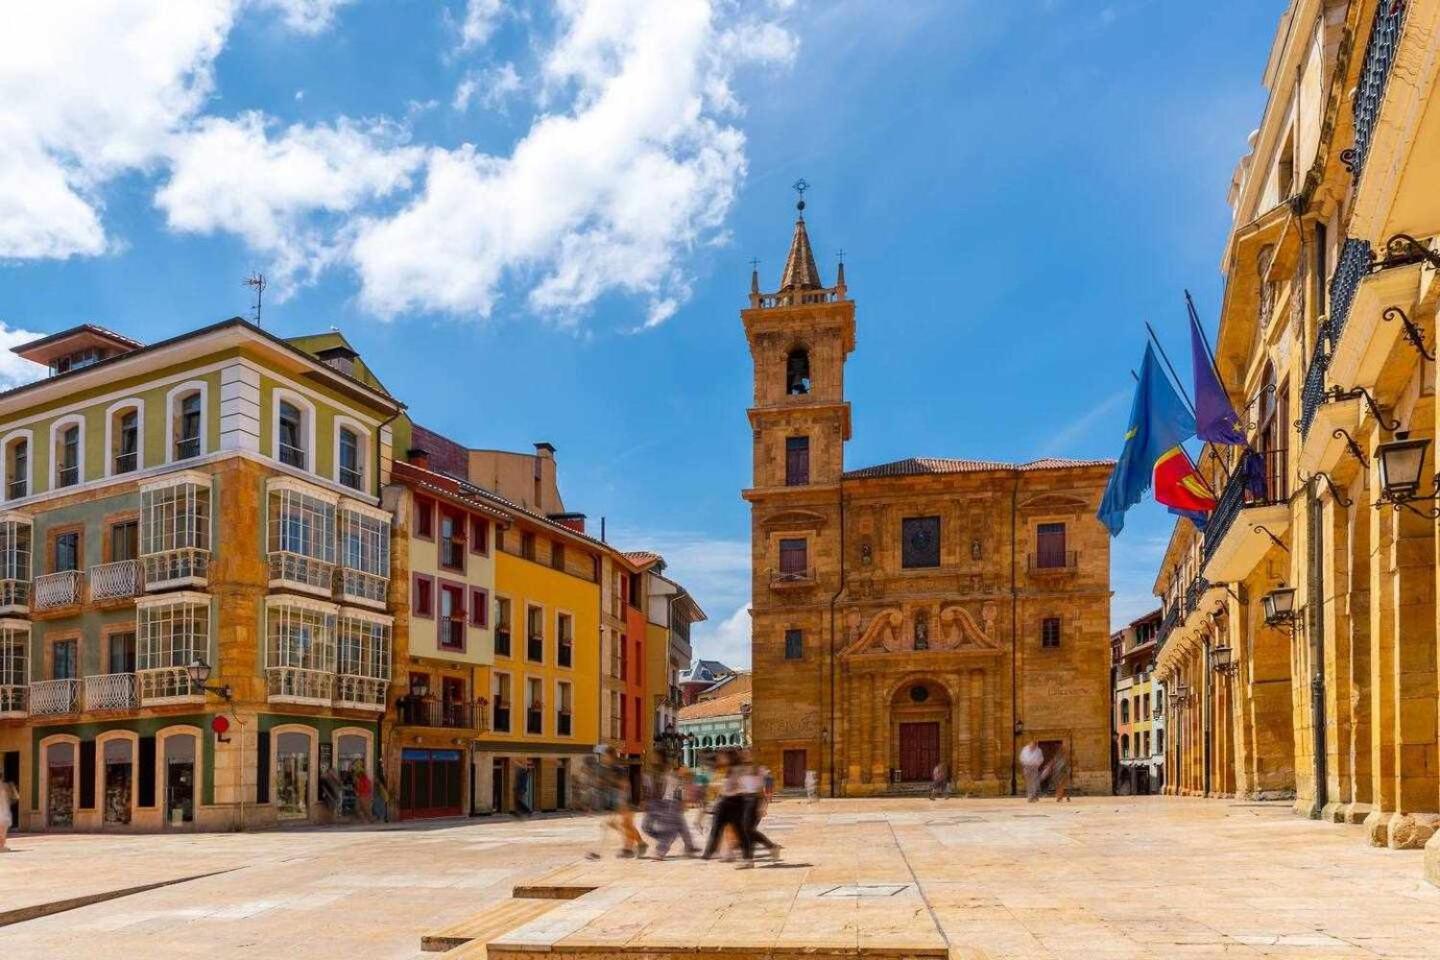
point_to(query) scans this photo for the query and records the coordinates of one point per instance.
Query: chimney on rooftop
(418, 457)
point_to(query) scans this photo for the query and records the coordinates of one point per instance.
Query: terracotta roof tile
(920, 466)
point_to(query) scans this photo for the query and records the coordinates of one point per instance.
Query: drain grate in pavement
(866, 890)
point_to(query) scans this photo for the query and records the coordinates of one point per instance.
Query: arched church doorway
(920, 729)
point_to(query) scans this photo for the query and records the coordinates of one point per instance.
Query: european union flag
(1159, 422)
(1217, 421)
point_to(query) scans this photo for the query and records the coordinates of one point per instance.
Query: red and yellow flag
(1179, 485)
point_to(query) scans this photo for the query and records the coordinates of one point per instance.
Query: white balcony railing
(13, 698)
(111, 581)
(167, 685)
(298, 685)
(356, 585)
(360, 693)
(186, 567)
(111, 691)
(297, 570)
(58, 589)
(50, 697)
(14, 596)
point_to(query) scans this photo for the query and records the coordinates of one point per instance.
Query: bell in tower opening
(797, 372)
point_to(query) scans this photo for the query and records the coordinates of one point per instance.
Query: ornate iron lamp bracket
(1403, 249)
(1431, 513)
(1336, 394)
(1261, 528)
(1340, 498)
(1355, 451)
(1269, 388)
(1413, 333)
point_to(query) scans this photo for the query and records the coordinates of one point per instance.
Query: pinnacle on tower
(800, 271)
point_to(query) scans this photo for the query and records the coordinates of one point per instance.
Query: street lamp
(1279, 606)
(199, 672)
(1222, 659)
(1402, 461)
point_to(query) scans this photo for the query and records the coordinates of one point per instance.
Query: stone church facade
(918, 612)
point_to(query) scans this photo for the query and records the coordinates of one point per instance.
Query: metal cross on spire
(800, 186)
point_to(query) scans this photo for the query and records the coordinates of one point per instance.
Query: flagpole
(1179, 384)
(1209, 350)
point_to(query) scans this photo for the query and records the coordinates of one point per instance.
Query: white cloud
(482, 17)
(90, 91)
(727, 641)
(234, 175)
(14, 370)
(489, 88)
(610, 195)
(305, 16)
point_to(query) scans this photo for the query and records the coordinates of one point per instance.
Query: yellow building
(1299, 638)
(195, 630)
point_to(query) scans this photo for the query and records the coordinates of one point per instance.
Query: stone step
(487, 925)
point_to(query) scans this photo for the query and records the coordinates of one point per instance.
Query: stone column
(866, 698)
(1415, 816)
(1382, 668)
(960, 711)
(977, 723)
(987, 744)
(1357, 643)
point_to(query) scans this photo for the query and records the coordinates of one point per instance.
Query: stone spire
(800, 272)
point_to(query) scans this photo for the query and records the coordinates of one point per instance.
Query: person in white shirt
(1032, 758)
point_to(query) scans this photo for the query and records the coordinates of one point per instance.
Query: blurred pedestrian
(1058, 773)
(8, 795)
(522, 790)
(940, 781)
(729, 811)
(758, 788)
(1032, 758)
(665, 814)
(812, 786)
(364, 793)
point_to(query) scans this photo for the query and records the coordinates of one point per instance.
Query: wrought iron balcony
(111, 691)
(299, 685)
(1262, 479)
(63, 589)
(17, 490)
(111, 581)
(565, 654)
(55, 697)
(792, 579)
(1194, 592)
(502, 641)
(1055, 562)
(455, 715)
(1374, 77)
(534, 720)
(563, 723)
(1357, 260)
(535, 649)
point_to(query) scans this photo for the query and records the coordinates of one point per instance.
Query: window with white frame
(15, 538)
(364, 645)
(68, 445)
(301, 542)
(14, 664)
(122, 438)
(290, 447)
(364, 552)
(350, 455)
(170, 632)
(187, 421)
(300, 648)
(175, 530)
(17, 466)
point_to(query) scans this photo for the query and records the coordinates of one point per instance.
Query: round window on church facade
(919, 694)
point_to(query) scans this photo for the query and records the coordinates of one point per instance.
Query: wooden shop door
(794, 769)
(919, 750)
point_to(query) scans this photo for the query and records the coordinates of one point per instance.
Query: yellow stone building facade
(919, 612)
(1299, 642)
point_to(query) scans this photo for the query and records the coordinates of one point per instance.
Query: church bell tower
(800, 337)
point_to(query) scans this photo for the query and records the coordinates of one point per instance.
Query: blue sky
(536, 220)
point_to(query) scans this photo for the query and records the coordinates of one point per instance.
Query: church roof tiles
(800, 271)
(921, 466)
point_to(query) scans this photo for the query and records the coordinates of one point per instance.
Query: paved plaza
(1101, 877)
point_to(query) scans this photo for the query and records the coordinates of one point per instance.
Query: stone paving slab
(1153, 877)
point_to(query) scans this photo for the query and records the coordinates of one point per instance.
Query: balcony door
(124, 541)
(121, 653)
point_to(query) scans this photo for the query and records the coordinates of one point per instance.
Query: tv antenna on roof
(256, 280)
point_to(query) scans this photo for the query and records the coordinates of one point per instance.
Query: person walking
(1032, 758)
(940, 781)
(729, 812)
(1059, 774)
(522, 790)
(364, 794)
(758, 787)
(665, 814)
(8, 795)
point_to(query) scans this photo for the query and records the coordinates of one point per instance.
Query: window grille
(14, 665)
(175, 532)
(300, 650)
(301, 539)
(364, 646)
(364, 555)
(14, 563)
